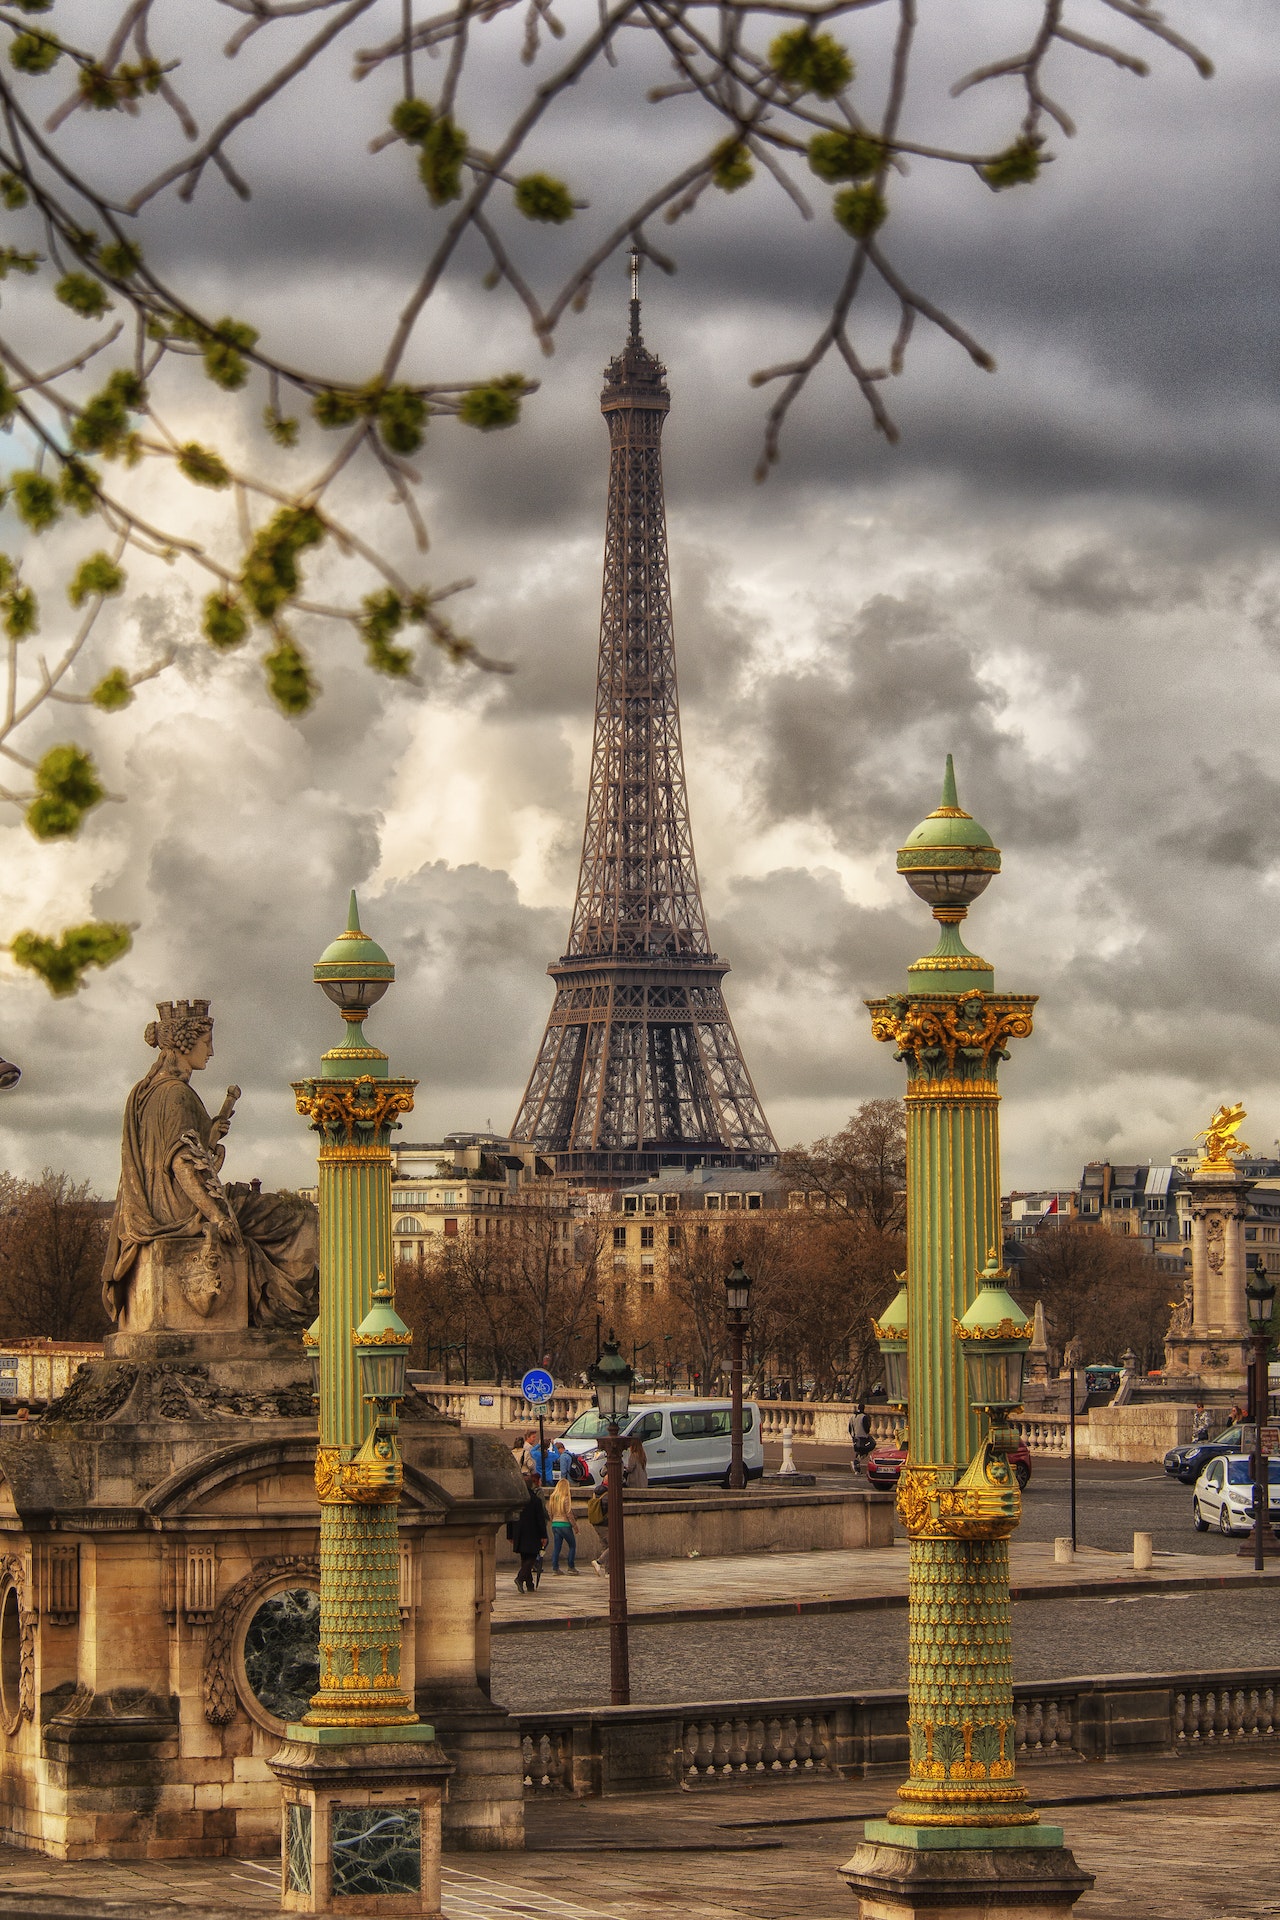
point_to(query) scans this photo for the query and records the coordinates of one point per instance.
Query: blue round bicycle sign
(537, 1385)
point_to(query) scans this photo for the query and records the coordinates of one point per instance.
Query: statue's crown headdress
(180, 1022)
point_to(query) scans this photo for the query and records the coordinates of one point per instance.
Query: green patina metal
(957, 1496)
(354, 1104)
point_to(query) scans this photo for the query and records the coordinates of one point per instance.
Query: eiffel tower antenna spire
(639, 1067)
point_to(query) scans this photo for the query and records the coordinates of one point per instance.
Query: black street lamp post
(611, 1377)
(737, 1288)
(1260, 1293)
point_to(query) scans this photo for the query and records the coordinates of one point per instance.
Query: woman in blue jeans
(563, 1531)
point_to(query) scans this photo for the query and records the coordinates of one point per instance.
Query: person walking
(528, 1535)
(860, 1434)
(563, 1531)
(598, 1515)
(527, 1453)
(636, 1471)
(1202, 1422)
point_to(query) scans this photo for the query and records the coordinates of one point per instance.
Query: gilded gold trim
(1003, 1330)
(387, 1339)
(332, 1155)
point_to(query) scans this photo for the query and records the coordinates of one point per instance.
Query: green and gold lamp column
(961, 1832)
(361, 1775)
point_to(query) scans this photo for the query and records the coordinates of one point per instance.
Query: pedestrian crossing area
(473, 1896)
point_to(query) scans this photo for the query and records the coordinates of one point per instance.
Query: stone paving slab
(754, 1585)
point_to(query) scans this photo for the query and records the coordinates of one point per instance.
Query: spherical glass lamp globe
(949, 859)
(353, 970)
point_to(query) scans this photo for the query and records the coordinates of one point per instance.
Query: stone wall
(677, 1526)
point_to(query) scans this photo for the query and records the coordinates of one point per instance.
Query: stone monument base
(1201, 1359)
(990, 1875)
(361, 1820)
(176, 1286)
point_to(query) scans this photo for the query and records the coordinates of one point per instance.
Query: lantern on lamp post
(737, 1297)
(1260, 1295)
(612, 1379)
(890, 1332)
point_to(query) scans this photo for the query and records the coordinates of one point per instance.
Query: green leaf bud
(540, 197)
(289, 679)
(120, 259)
(270, 576)
(809, 62)
(113, 691)
(36, 499)
(33, 6)
(400, 415)
(384, 615)
(224, 362)
(1017, 166)
(96, 577)
(413, 120)
(85, 296)
(282, 430)
(12, 260)
(21, 613)
(201, 466)
(225, 623)
(496, 404)
(333, 408)
(78, 485)
(34, 52)
(67, 787)
(731, 166)
(444, 148)
(861, 211)
(63, 963)
(103, 426)
(13, 191)
(844, 156)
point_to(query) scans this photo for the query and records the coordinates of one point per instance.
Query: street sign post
(538, 1387)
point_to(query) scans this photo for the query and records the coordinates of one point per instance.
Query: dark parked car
(1189, 1462)
(888, 1460)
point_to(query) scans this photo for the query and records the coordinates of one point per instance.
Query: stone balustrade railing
(1049, 1433)
(625, 1749)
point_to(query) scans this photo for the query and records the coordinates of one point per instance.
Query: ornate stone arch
(13, 1580)
(218, 1684)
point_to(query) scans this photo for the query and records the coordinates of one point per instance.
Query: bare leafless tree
(53, 1238)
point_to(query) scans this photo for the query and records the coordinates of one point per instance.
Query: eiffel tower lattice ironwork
(639, 1067)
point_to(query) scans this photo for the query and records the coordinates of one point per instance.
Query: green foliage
(809, 62)
(13, 192)
(844, 156)
(120, 259)
(224, 362)
(731, 166)
(78, 485)
(384, 615)
(861, 211)
(84, 295)
(103, 426)
(497, 404)
(36, 499)
(33, 6)
(34, 52)
(201, 466)
(333, 408)
(67, 787)
(1017, 166)
(62, 964)
(12, 260)
(103, 89)
(282, 430)
(413, 120)
(95, 577)
(271, 572)
(541, 197)
(289, 680)
(113, 691)
(444, 148)
(21, 613)
(400, 414)
(226, 624)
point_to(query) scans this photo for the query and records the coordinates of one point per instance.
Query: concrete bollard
(1142, 1553)
(1063, 1552)
(788, 1464)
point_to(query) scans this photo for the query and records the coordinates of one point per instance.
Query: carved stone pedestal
(361, 1821)
(975, 1881)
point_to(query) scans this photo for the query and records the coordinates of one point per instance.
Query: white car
(685, 1441)
(1224, 1494)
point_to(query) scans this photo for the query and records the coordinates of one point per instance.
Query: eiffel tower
(639, 1067)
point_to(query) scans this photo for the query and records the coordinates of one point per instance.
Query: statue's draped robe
(281, 1240)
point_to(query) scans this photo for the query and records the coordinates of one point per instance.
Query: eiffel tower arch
(639, 1067)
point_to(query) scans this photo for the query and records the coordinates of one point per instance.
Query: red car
(887, 1461)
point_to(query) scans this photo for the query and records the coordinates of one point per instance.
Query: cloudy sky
(1065, 574)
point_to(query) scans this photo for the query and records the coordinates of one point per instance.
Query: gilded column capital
(356, 1112)
(951, 1043)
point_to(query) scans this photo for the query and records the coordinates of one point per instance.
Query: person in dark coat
(528, 1535)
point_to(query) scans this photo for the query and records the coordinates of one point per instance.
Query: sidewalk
(752, 1586)
(1174, 1839)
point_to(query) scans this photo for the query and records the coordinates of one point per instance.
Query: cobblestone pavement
(1053, 1639)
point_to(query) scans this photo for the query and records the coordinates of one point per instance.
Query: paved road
(839, 1653)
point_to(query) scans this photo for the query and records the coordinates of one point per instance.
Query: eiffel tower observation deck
(639, 1067)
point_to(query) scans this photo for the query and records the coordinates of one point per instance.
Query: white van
(684, 1441)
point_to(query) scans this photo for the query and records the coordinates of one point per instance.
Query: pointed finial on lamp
(948, 861)
(353, 911)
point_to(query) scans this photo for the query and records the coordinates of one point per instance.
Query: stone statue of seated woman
(187, 1250)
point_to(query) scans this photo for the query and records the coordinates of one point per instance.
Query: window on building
(795, 1199)
(619, 1236)
(651, 1203)
(1156, 1204)
(646, 1266)
(646, 1287)
(646, 1236)
(449, 1198)
(733, 1201)
(451, 1229)
(1271, 1233)
(754, 1201)
(1251, 1233)
(630, 1203)
(704, 1233)
(408, 1225)
(673, 1236)
(713, 1203)
(619, 1260)
(671, 1203)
